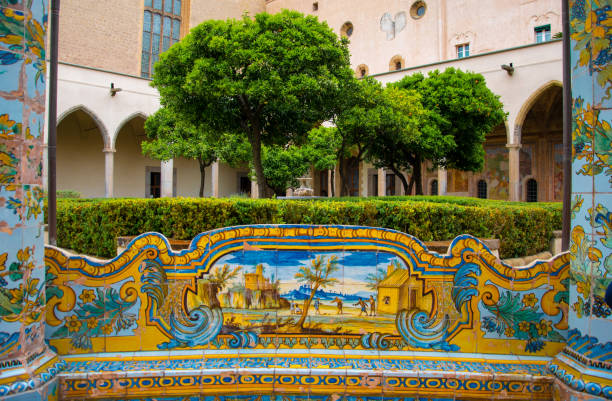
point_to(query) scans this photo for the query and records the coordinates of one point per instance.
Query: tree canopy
(269, 79)
(462, 106)
(171, 137)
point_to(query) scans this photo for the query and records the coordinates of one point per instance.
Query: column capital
(108, 150)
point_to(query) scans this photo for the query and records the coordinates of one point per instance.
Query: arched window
(347, 29)
(434, 187)
(161, 29)
(361, 71)
(396, 63)
(532, 190)
(482, 189)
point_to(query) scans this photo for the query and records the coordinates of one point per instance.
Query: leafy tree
(282, 167)
(170, 137)
(356, 120)
(269, 79)
(321, 149)
(317, 275)
(464, 107)
(405, 136)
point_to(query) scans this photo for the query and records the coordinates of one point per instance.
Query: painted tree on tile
(317, 275)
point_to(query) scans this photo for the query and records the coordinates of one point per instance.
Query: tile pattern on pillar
(27, 367)
(585, 364)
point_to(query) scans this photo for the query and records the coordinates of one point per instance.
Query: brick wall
(102, 34)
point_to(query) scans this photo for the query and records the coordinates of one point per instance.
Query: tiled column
(166, 178)
(27, 366)
(515, 174)
(585, 364)
(382, 182)
(109, 159)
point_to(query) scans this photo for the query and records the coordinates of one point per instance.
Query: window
(161, 29)
(542, 33)
(532, 190)
(434, 187)
(315, 6)
(417, 10)
(396, 63)
(362, 70)
(155, 184)
(463, 50)
(347, 29)
(482, 189)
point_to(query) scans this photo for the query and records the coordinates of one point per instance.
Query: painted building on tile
(107, 58)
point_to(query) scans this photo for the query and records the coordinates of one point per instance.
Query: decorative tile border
(435, 377)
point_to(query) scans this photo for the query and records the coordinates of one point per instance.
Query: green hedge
(90, 226)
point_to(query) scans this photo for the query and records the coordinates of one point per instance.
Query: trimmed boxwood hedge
(90, 226)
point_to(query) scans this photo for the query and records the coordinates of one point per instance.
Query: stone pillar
(167, 178)
(442, 181)
(254, 190)
(329, 183)
(382, 182)
(363, 179)
(514, 171)
(214, 173)
(27, 367)
(109, 166)
(584, 367)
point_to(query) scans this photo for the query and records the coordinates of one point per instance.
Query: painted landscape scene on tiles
(302, 291)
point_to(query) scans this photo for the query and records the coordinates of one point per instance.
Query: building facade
(104, 94)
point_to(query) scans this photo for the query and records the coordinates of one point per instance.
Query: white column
(329, 183)
(254, 190)
(363, 179)
(109, 167)
(442, 181)
(382, 182)
(514, 173)
(166, 178)
(214, 172)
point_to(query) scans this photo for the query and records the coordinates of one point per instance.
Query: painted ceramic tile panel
(497, 172)
(276, 286)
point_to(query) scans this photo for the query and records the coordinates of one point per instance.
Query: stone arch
(539, 132)
(125, 121)
(105, 137)
(528, 104)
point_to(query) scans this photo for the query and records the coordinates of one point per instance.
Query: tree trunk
(411, 184)
(255, 139)
(417, 174)
(342, 172)
(300, 322)
(202, 176)
(402, 179)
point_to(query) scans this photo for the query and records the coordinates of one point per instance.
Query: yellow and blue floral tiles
(585, 365)
(27, 369)
(365, 295)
